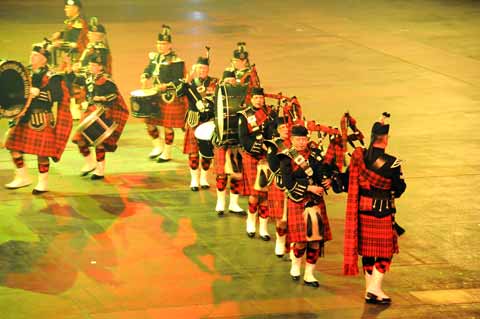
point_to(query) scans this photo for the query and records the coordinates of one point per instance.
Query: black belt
(375, 193)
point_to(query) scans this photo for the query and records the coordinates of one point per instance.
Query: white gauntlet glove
(34, 91)
(200, 106)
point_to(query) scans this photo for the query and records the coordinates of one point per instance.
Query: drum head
(205, 131)
(14, 88)
(143, 92)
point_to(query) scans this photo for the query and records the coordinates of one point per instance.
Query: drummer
(200, 93)
(101, 93)
(68, 45)
(97, 43)
(165, 69)
(39, 131)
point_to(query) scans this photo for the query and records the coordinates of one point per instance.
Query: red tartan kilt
(219, 154)
(250, 174)
(376, 237)
(50, 142)
(276, 198)
(190, 144)
(296, 228)
(170, 115)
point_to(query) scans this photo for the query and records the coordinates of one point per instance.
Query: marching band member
(255, 126)
(276, 191)
(245, 73)
(200, 93)
(306, 178)
(97, 44)
(73, 39)
(68, 46)
(39, 131)
(229, 99)
(165, 69)
(375, 179)
(102, 93)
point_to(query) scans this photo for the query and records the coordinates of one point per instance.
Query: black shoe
(295, 278)
(205, 186)
(162, 160)
(251, 235)
(37, 192)
(279, 256)
(265, 238)
(152, 157)
(313, 284)
(220, 213)
(240, 213)
(194, 188)
(87, 172)
(374, 299)
(96, 177)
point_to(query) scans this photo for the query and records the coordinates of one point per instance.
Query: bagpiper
(256, 125)
(375, 179)
(245, 73)
(276, 197)
(306, 179)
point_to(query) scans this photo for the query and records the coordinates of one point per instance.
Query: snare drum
(144, 103)
(204, 134)
(96, 128)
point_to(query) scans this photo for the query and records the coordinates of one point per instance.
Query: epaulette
(99, 45)
(152, 55)
(77, 24)
(176, 59)
(389, 160)
(316, 154)
(287, 152)
(246, 112)
(396, 163)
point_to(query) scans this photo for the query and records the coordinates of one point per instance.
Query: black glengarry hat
(73, 3)
(94, 26)
(257, 91)
(166, 34)
(241, 51)
(299, 130)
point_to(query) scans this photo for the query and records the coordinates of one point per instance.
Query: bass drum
(15, 84)
(204, 134)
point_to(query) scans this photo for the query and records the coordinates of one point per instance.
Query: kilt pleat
(250, 174)
(376, 237)
(49, 142)
(190, 144)
(296, 228)
(171, 114)
(276, 198)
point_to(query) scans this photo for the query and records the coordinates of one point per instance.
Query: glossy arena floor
(141, 245)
